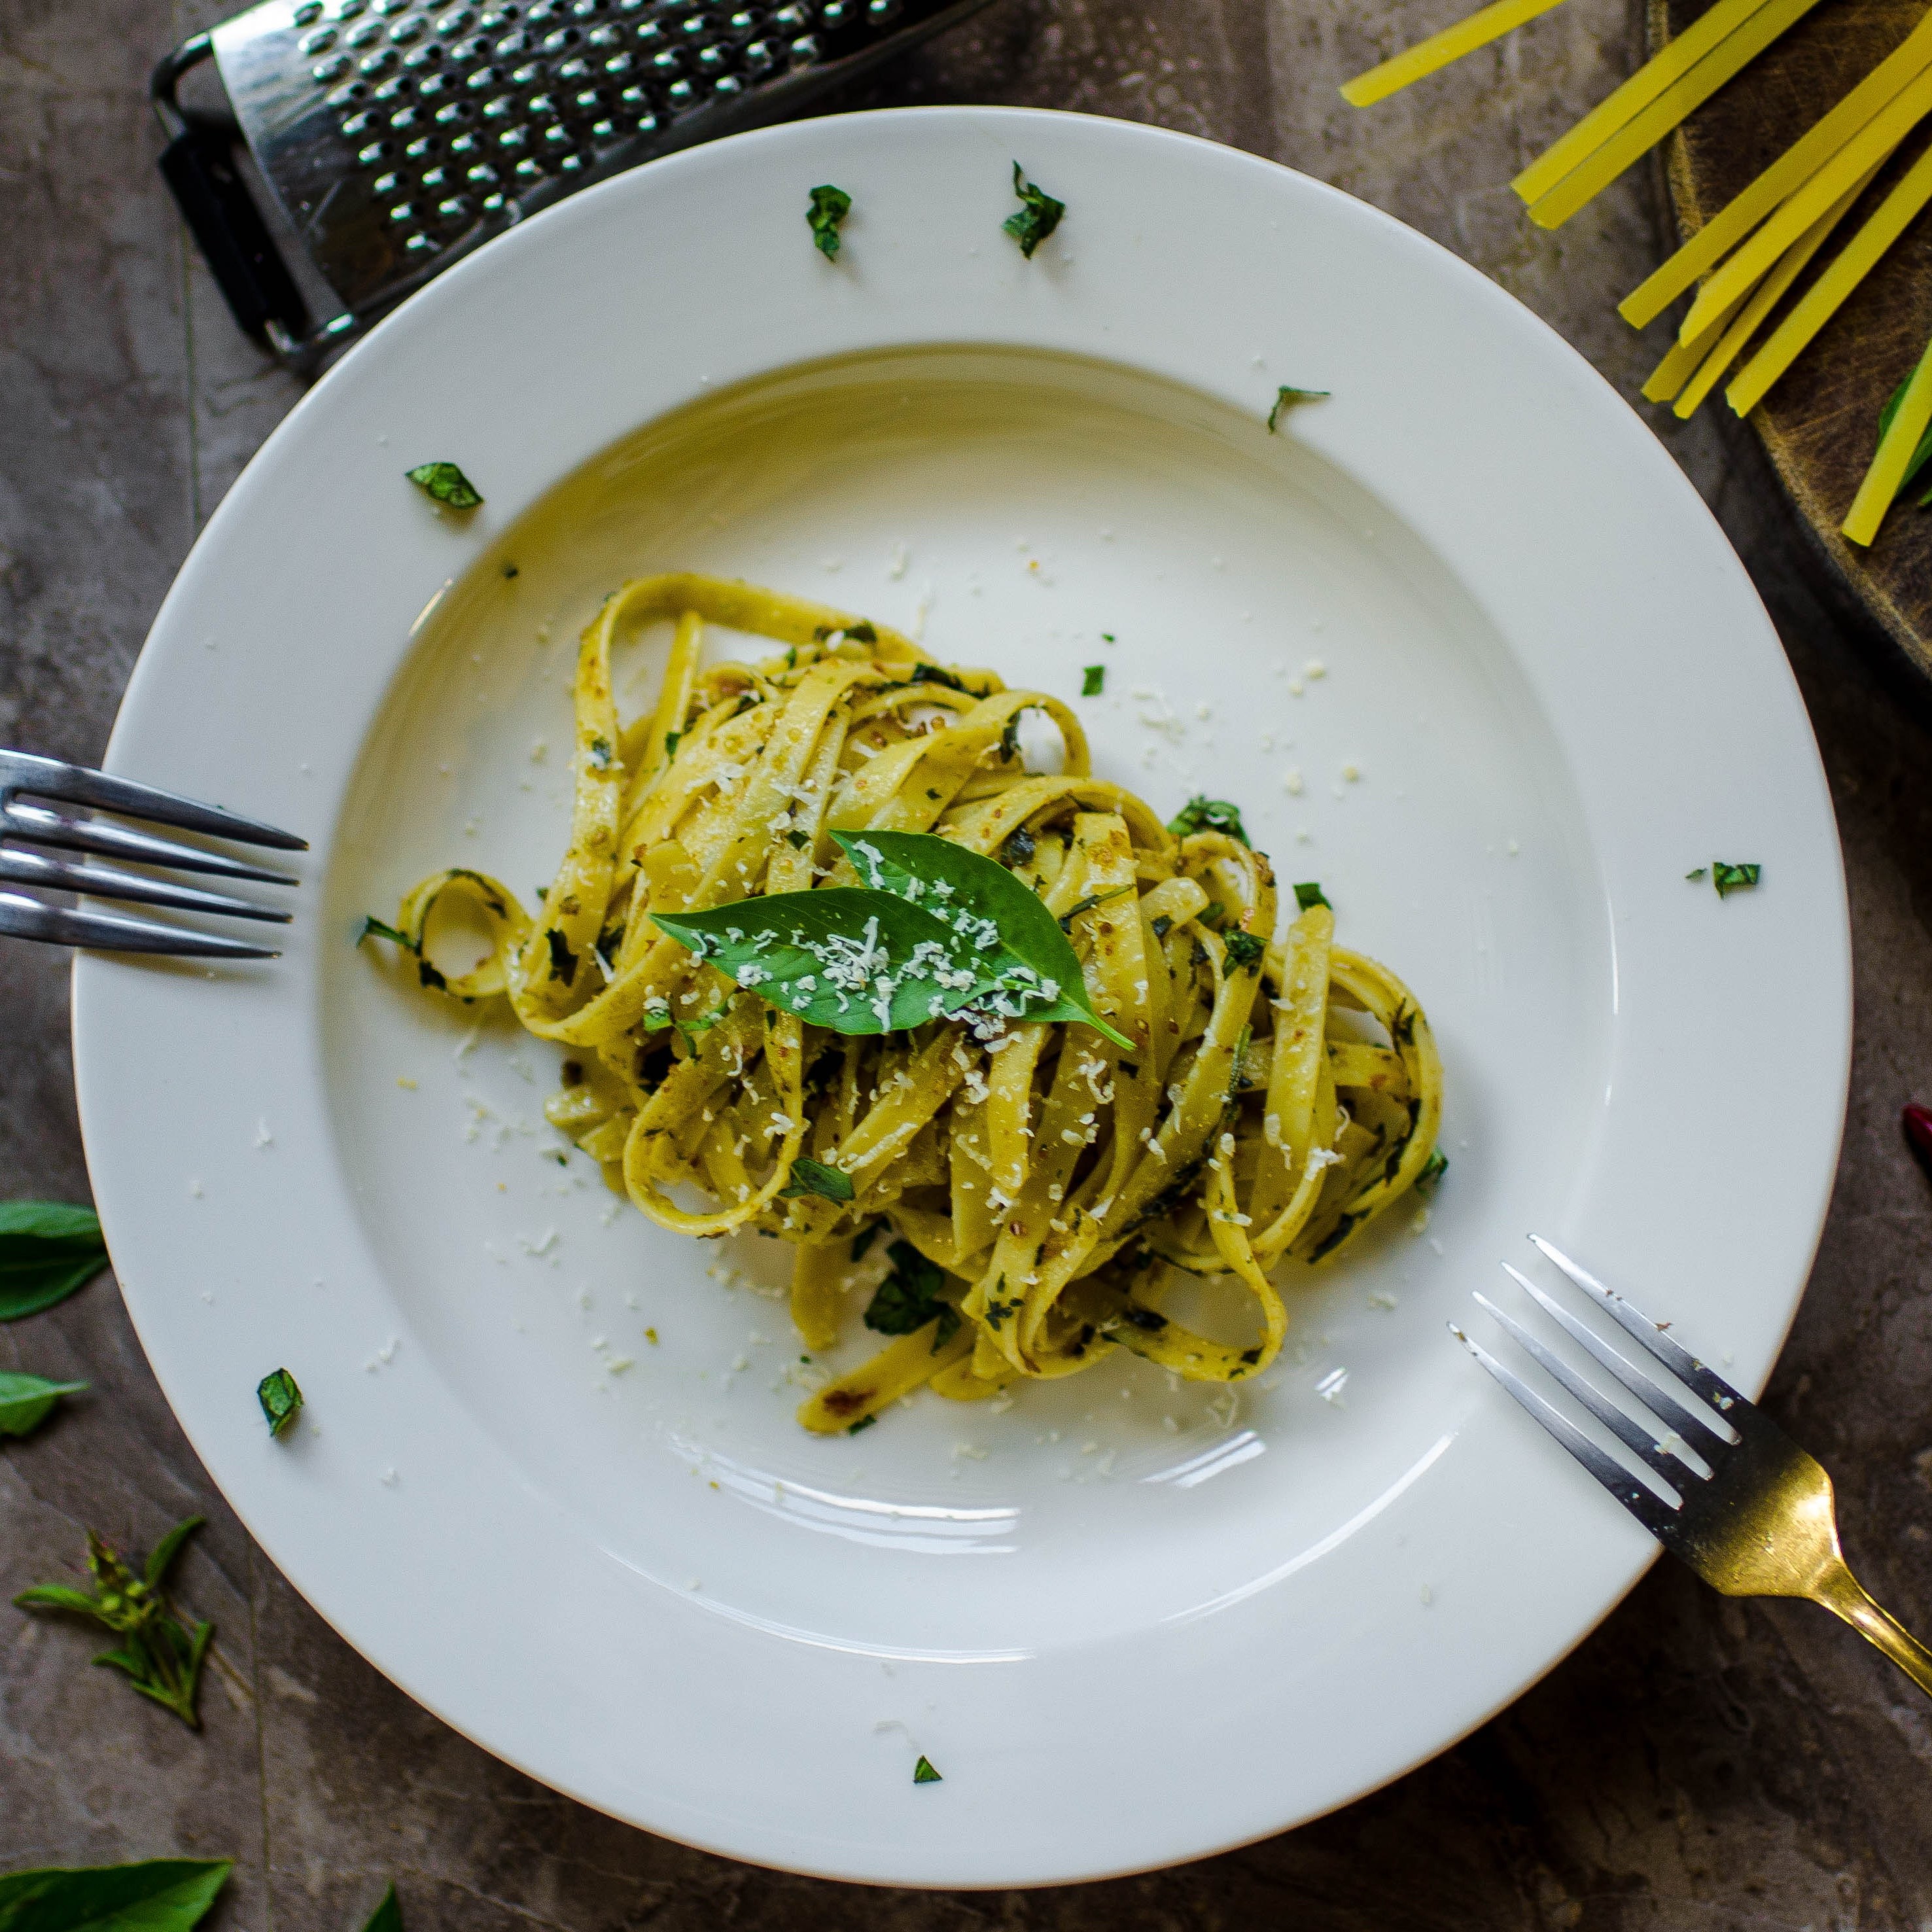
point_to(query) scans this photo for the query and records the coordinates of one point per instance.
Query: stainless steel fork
(23, 776)
(1755, 1519)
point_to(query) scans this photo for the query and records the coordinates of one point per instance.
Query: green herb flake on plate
(825, 216)
(1038, 217)
(447, 483)
(281, 1400)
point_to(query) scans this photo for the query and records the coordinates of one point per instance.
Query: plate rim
(95, 980)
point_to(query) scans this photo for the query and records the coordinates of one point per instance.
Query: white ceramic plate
(1128, 1627)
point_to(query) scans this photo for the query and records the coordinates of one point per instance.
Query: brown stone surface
(1696, 1763)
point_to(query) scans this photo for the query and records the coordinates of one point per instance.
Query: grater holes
(499, 109)
(540, 106)
(513, 138)
(459, 20)
(333, 68)
(319, 42)
(375, 151)
(346, 10)
(404, 118)
(307, 14)
(484, 76)
(362, 33)
(555, 136)
(430, 85)
(380, 61)
(389, 89)
(561, 41)
(451, 112)
(803, 51)
(354, 126)
(588, 102)
(573, 70)
(346, 97)
(759, 55)
(404, 31)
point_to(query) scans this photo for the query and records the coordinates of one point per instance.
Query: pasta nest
(1282, 1091)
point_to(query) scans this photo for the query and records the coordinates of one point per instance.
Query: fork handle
(1844, 1596)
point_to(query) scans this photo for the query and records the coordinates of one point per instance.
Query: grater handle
(199, 166)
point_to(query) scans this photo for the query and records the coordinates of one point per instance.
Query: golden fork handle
(1844, 1596)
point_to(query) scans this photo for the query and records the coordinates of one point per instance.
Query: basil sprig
(47, 1250)
(156, 1895)
(160, 1657)
(26, 1401)
(935, 932)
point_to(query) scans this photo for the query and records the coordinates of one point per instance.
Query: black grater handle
(199, 166)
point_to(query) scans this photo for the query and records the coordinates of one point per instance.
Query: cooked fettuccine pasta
(1042, 1182)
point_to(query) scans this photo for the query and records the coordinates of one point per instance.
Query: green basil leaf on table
(26, 1401)
(387, 1916)
(155, 1895)
(48, 1249)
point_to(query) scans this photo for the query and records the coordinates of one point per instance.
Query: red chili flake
(1917, 1124)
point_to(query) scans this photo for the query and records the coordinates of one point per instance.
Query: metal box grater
(387, 137)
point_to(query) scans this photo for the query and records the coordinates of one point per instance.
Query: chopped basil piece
(860, 631)
(1010, 740)
(280, 1400)
(1087, 904)
(374, 928)
(155, 1895)
(814, 1177)
(1729, 878)
(1020, 847)
(1094, 681)
(829, 207)
(48, 1250)
(909, 1297)
(510, 570)
(1698, 873)
(798, 841)
(672, 740)
(1433, 1169)
(1286, 399)
(1038, 217)
(1245, 949)
(447, 484)
(922, 1772)
(159, 1656)
(563, 961)
(863, 1240)
(927, 673)
(1163, 925)
(1107, 636)
(1309, 893)
(27, 1401)
(1208, 814)
(864, 1422)
(600, 753)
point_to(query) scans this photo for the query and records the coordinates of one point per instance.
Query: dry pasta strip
(1783, 177)
(1430, 55)
(1279, 1094)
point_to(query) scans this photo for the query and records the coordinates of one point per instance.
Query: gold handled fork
(1756, 1521)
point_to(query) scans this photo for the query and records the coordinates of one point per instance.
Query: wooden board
(1820, 422)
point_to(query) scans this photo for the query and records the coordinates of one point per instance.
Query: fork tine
(40, 825)
(110, 882)
(1625, 1428)
(1661, 1397)
(22, 918)
(1641, 1501)
(1706, 1382)
(75, 784)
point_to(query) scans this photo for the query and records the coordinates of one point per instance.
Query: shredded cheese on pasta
(1279, 1095)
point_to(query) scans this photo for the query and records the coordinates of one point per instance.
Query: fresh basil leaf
(910, 1297)
(1309, 893)
(387, 1916)
(1286, 399)
(829, 207)
(922, 1772)
(1094, 681)
(446, 483)
(281, 1400)
(1729, 878)
(1016, 943)
(1208, 814)
(26, 1401)
(47, 1250)
(1038, 215)
(814, 1177)
(156, 1895)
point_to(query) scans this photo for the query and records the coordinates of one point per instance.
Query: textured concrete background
(1696, 1763)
